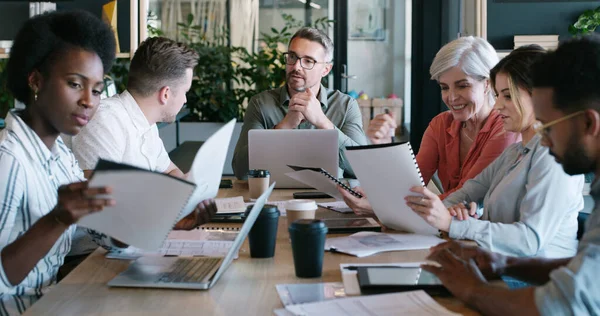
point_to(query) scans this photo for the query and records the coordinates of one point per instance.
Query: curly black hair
(573, 72)
(46, 37)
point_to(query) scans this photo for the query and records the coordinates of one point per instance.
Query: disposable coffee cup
(308, 247)
(258, 182)
(263, 234)
(300, 209)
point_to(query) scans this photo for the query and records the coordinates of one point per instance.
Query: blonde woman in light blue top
(530, 204)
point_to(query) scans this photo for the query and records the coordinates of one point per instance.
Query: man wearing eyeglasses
(566, 98)
(303, 102)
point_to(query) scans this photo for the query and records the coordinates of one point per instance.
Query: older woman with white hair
(462, 141)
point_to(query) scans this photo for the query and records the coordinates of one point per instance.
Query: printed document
(364, 244)
(406, 303)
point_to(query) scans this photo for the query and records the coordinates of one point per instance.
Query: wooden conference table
(246, 288)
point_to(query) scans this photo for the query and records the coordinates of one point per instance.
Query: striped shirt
(31, 177)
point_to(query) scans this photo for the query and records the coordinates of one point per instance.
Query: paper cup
(300, 209)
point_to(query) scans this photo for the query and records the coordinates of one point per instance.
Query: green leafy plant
(587, 22)
(119, 73)
(211, 96)
(7, 101)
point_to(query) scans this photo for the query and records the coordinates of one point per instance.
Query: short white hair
(474, 55)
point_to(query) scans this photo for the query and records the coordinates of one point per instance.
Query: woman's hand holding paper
(429, 206)
(360, 206)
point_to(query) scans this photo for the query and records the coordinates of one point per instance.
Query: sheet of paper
(338, 206)
(299, 293)
(406, 303)
(433, 188)
(185, 243)
(350, 276)
(316, 180)
(364, 244)
(230, 205)
(386, 174)
(207, 168)
(147, 206)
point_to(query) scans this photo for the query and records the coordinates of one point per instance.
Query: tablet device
(385, 279)
(351, 225)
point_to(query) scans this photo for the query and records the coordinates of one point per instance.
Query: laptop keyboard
(189, 270)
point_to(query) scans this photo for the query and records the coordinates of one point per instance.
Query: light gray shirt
(530, 204)
(268, 108)
(574, 289)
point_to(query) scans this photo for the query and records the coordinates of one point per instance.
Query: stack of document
(549, 42)
(405, 303)
(364, 244)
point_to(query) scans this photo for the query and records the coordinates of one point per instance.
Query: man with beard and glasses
(303, 102)
(566, 103)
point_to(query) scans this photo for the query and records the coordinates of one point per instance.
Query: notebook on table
(321, 180)
(198, 273)
(386, 173)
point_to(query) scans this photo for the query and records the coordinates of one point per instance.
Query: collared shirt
(31, 176)
(440, 150)
(574, 289)
(268, 108)
(120, 132)
(530, 205)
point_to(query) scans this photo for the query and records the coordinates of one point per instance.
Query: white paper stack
(549, 42)
(365, 243)
(402, 303)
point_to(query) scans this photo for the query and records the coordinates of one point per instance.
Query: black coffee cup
(308, 246)
(263, 234)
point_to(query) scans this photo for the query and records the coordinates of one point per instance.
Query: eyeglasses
(544, 129)
(305, 62)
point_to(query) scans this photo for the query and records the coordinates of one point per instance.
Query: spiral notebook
(147, 206)
(386, 173)
(225, 227)
(321, 180)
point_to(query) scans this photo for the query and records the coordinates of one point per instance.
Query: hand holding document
(149, 204)
(386, 173)
(140, 222)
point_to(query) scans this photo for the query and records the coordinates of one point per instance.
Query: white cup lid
(301, 205)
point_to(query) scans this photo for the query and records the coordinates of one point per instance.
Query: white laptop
(273, 150)
(198, 273)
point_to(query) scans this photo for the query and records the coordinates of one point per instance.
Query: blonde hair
(517, 67)
(474, 55)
